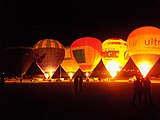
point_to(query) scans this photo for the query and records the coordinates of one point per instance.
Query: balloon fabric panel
(48, 43)
(87, 58)
(49, 58)
(79, 55)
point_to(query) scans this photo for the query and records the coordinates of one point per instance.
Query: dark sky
(23, 23)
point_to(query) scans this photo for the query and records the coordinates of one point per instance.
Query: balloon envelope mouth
(145, 62)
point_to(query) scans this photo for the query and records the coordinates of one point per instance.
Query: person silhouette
(137, 91)
(76, 84)
(80, 83)
(147, 90)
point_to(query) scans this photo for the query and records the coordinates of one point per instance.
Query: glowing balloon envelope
(144, 47)
(86, 52)
(49, 54)
(68, 64)
(115, 55)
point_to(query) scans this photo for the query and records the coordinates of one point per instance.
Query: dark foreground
(57, 101)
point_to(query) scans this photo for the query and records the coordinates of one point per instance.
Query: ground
(57, 100)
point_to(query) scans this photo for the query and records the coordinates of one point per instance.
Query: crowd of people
(142, 91)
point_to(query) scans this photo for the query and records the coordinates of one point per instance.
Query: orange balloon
(144, 47)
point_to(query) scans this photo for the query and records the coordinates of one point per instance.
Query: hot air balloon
(144, 47)
(48, 54)
(86, 52)
(68, 64)
(115, 55)
(15, 61)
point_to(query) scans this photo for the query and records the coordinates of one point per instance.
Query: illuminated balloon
(15, 61)
(144, 47)
(68, 64)
(115, 55)
(86, 52)
(48, 54)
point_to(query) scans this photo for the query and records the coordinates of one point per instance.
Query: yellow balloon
(144, 47)
(115, 55)
(68, 63)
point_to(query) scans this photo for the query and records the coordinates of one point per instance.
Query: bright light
(62, 79)
(51, 74)
(70, 74)
(46, 75)
(87, 74)
(144, 68)
(113, 67)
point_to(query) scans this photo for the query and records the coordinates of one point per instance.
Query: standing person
(80, 83)
(76, 84)
(147, 90)
(137, 91)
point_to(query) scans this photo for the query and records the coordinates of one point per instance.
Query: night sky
(24, 23)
